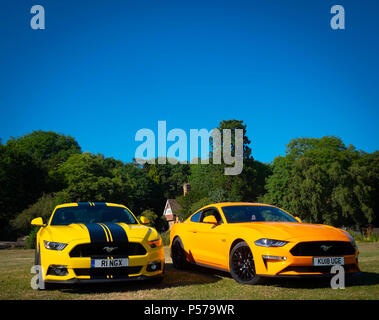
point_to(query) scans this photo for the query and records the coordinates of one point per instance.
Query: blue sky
(102, 70)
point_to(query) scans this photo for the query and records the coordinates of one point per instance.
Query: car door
(208, 240)
(188, 234)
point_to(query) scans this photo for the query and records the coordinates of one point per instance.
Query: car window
(89, 214)
(196, 217)
(272, 215)
(255, 213)
(211, 212)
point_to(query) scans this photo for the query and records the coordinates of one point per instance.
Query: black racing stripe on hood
(118, 232)
(96, 232)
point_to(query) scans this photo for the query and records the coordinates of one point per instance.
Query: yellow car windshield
(92, 214)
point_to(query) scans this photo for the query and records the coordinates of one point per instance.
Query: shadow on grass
(364, 279)
(351, 280)
(172, 278)
(195, 275)
(360, 279)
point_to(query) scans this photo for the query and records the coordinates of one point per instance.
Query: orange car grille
(115, 250)
(323, 248)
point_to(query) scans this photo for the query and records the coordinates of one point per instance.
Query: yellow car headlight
(155, 243)
(54, 245)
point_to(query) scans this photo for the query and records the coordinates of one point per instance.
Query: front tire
(178, 255)
(241, 264)
(41, 283)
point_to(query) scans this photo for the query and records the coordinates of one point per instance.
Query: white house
(170, 212)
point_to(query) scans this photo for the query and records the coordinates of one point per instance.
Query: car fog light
(274, 258)
(153, 266)
(57, 270)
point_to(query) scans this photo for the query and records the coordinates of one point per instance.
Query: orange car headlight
(270, 243)
(350, 238)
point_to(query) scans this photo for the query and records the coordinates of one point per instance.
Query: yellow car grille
(108, 249)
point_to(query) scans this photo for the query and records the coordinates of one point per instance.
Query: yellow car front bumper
(63, 267)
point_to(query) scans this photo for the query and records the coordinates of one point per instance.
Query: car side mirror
(37, 222)
(298, 219)
(144, 220)
(210, 219)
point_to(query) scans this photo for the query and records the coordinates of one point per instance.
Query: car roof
(224, 204)
(76, 204)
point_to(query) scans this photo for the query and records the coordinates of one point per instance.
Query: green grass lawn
(197, 283)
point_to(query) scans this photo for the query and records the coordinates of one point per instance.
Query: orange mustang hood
(298, 231)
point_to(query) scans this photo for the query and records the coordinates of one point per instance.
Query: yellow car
(252, 241)
(96, 242)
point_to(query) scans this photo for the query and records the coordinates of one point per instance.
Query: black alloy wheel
(241, 263)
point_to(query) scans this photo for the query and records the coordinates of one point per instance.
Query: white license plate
(109, 263)
(328, 261)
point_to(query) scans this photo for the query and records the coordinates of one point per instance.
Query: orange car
(253, 240)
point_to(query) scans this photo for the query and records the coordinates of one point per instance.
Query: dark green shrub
(30, 242)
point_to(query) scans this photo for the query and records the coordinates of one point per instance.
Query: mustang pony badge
(110, 249)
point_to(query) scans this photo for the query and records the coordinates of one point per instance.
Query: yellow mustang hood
(97, 232)
(291, 230)
(67, 233)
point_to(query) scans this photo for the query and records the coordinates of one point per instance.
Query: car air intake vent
(108, 249)
(108, 273)
(315, 269)
(323, 248)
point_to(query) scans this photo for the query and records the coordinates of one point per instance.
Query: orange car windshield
(249, 213)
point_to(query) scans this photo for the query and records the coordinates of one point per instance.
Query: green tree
(150, 215)
(49, 150)
(21, 184)
(42, 208)
(232, 125)
(209, 183)
(169, 177)
(323, 181)
(46, 147)
(86, 178)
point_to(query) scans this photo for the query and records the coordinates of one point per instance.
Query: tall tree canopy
(209, 183)
(27, 166)
(323, 181)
